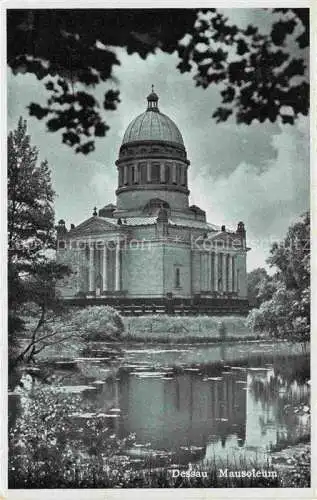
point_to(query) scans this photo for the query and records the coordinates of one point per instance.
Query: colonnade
(223, 275)
(143, 173)
(115, 247)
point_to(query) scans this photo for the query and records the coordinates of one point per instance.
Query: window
(61, 244)
(167, 173)
(134, 174)
(142, 173)
(177, 277)
(185, 177)
(155, 171)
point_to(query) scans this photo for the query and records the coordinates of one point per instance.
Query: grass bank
(180, 329)
(98, 475)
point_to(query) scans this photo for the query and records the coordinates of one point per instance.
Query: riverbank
(290, 468)
(293, 465)
(81, 404)
(190, 330)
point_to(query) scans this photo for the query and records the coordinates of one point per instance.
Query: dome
(153, 125)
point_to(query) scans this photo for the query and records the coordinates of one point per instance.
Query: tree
(262, 77)
(285, 312)
(32, 273)
(30, 202)
(255, 278)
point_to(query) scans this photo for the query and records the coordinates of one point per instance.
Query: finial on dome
(152, 100)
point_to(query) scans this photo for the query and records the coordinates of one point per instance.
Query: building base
(145, 306)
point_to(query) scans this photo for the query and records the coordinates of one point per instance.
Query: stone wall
(142, 270)
(177, 256)
(130, 200)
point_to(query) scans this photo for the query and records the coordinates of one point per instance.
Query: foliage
(285, 311)
(297, 473)
(262, 77)
(98, 323)
(32, 274)
(174, 329)
(255, 279)
(46, 439)
(30, 201)
(49, 448)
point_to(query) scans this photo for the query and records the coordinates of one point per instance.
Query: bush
(283, 316)
(98, 323)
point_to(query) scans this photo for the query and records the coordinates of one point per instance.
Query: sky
(258, 173)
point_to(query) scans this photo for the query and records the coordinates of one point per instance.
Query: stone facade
(152, 244)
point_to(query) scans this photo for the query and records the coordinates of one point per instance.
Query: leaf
(37, 111)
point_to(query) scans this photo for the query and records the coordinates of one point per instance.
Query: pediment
(94, 225)
(224, 236)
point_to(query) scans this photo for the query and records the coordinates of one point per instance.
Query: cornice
(153, 187)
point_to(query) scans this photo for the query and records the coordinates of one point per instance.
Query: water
(197, 403)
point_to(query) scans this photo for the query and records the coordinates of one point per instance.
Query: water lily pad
(73, 388)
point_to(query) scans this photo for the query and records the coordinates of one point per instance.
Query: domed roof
(152, 126)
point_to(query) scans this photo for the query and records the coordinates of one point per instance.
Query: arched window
(142, 173)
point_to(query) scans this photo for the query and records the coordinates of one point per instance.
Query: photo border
(170, 493)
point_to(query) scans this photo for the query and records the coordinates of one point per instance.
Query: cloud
(266, 200)
(104, 184)
(257, 173)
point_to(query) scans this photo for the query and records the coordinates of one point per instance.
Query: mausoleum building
(152, 244)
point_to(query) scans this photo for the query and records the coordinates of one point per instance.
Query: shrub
(98, 323)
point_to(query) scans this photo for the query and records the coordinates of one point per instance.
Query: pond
(193, 404)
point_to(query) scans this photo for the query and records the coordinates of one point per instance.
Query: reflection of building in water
(182, 411)
(104, 398)
(260, 425)
(267, 421)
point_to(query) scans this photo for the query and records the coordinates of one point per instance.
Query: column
(230, 288)
(237, 281)
(91, 267)
(148, 171)
(162, 173)
(117, 268)
(206, 272)
(104, 269)
(210, 272)
(125, 174)
(174, 177)
(235, 276)
(224, 272)
(215, 272)
(78, 268)
(181, 175)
